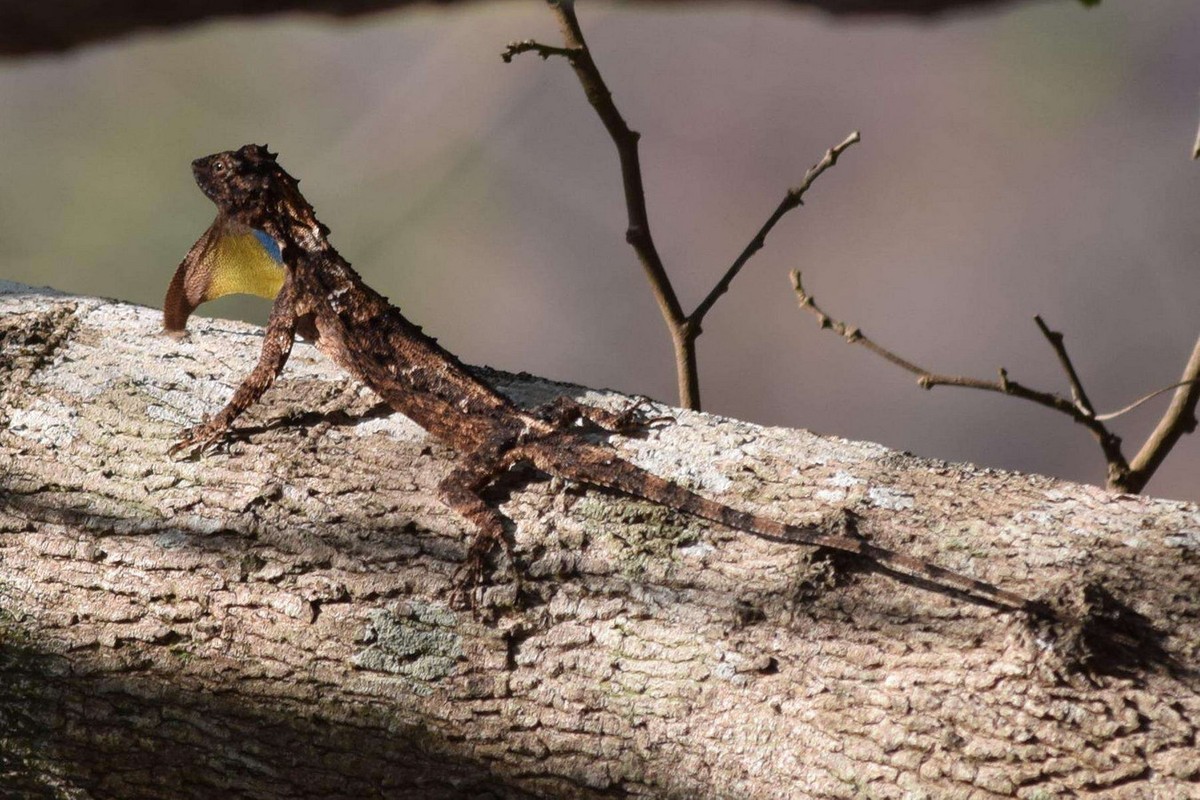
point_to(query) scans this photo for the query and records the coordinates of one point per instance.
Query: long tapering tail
(600, 467)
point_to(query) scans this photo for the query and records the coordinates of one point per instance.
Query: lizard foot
(469, 579)
(564, 412)
(631, 420)
(197, 439)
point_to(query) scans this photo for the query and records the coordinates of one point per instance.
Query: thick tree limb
(27, 28)
(271, 621)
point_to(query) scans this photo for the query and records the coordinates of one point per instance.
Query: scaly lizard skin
(323, 298)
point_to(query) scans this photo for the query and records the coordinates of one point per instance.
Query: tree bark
(272, 621)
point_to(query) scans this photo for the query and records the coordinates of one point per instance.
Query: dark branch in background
(1123, 476)
(52, 25)
(684, 328)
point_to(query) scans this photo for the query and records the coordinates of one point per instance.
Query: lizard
(319, 295)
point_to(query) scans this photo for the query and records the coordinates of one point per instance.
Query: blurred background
(1028, 161)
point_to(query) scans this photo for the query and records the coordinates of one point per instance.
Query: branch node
(1079, 397)
(542, 50)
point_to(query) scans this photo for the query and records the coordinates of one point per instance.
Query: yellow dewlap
(241, 265)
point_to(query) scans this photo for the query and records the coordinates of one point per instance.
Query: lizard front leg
(276, 347)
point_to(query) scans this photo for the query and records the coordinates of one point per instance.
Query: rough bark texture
(271, 622)
(52, 25)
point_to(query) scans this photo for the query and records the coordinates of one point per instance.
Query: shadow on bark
(1110, 638)
(1091, 631)
(68, 733)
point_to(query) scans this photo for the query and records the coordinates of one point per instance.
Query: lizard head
(243, 183)
(250, 187)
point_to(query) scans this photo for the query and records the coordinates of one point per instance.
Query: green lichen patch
(415, 641)
(643, 534)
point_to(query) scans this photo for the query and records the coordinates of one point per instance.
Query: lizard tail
(600, 467)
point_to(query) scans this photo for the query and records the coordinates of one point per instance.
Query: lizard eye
(220, 167)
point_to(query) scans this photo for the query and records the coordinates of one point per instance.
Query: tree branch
(1179, 418)
(1079, 411)
(794, 198)
(684, 329)
(543, 50)
(27, 28)
(271, 621)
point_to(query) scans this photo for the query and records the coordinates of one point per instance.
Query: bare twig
(1078, 410)
(684, 328)
(1179, 418)
(794, 198)
(1077, 393)
(543, 50)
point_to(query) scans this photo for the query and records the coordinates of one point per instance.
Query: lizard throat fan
(229, 258)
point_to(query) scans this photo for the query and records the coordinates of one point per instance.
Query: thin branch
(1143, 399)
(638, 231)
(543, 50)
(1056, 341)
(794, 198)
(1179, 418)
(1109, 442)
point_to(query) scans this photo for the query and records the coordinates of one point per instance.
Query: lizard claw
(197, 439)
(468, 585)
(630, 420)
(469, 579)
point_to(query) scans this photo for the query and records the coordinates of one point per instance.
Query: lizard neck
(375, 342)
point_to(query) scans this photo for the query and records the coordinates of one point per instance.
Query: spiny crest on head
(257, 153)
(263, 162)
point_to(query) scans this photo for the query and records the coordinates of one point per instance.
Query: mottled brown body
(324, 298)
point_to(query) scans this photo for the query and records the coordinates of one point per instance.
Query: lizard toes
(196, 440)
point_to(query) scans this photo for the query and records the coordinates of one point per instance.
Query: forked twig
(684, 328)
(1109, 442)
(1124, 476)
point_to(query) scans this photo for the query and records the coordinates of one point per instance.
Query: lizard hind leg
(460, 492)
(564, 412)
